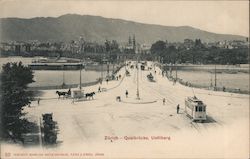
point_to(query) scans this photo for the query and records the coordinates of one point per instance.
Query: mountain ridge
(97, 28)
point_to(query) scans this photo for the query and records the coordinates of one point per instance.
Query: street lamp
(81, 76)
(215, 74)
(137, 90)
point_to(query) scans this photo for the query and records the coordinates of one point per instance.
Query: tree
(158, 47)
(114, 45)
(15, 80)
(107, 45)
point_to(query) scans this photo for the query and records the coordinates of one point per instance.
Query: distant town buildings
(81, 46)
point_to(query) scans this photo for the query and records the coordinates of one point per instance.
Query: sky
(225, 17)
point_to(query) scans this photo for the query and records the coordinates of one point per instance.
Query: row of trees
(199, 54)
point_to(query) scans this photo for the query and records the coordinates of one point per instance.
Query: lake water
(52, 78)
(239, 80)
(56, 77)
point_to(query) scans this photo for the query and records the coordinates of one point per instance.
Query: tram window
(200, 109)
(196, 109)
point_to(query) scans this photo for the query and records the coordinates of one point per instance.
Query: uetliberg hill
(95, 28)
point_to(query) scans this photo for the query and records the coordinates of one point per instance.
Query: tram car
(195, 109)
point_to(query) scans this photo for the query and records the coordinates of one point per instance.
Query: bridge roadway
(100, 125)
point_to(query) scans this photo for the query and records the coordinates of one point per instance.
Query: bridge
(104, 124)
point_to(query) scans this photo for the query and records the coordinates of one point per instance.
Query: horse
(90, 95)
(61, 94)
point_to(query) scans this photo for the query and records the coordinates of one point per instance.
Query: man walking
(178, 108)
(69, 92)
(126, 93)
(38, 101)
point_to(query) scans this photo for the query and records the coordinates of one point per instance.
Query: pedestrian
(126, 93)
(164, 101)
(99, 89)
(69, 92)
(107, 80)
(174, 82)
(38, 101)
(178, 108)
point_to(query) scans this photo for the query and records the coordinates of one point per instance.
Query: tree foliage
(198, 54)
(15, 80)
(158, 47)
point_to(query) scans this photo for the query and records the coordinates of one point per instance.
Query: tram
(195, 109)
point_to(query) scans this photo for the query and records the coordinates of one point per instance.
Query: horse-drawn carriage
(76, 94)
(127, 73)
(150, 77)
(79, 94)
(142, 67)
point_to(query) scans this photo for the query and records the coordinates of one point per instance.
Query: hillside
(95, 28)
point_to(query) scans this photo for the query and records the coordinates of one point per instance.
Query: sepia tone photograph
(124, 79)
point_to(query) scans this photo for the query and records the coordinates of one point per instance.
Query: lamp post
(102, 68)
(63, 83)
(137, 90)
(215, 78)
(176, 71)
(215, 74)
(80, 76)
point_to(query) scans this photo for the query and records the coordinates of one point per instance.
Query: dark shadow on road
(37, 93)
(210, 120)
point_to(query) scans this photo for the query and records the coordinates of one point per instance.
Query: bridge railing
(65, 86)
(218, 88)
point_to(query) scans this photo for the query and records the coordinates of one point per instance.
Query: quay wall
(66, 86)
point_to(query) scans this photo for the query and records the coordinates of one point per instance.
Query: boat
(56, 66)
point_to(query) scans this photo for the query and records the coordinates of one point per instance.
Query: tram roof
(194, 99)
